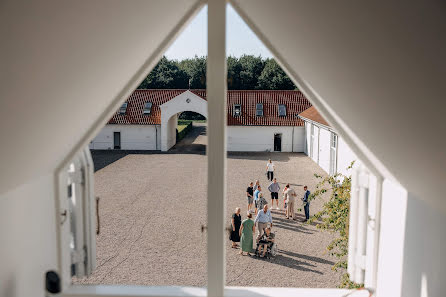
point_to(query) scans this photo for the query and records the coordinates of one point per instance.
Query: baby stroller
(271, 248)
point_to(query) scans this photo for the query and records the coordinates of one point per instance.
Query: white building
(323, 144)
(257, 120)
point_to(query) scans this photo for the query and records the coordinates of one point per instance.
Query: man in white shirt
(262, 219)
(270, 170)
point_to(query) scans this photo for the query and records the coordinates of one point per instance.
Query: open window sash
(78, 217)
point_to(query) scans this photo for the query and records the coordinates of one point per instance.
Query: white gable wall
(321, 149)
(186, 101)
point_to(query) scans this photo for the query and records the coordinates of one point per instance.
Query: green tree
(335, 218)
(274, 78)
(165, 75)
(233, 78)
(251, 70)
(196, 71)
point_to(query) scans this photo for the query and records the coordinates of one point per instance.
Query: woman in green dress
(246, 235)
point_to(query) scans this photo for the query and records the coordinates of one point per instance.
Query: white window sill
(143, 291)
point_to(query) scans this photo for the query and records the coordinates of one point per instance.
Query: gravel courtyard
(153, 206)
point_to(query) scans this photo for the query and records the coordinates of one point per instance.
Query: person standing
(285, 205)
(270, 170)
(290, 196)
(274, 188)
(262, 219)
(306, 201)
(261, 202)
(250, 196)
(256, 185)
(246, 231)
(236, 221)
(256, 197)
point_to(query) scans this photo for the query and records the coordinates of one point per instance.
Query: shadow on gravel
(305, 257)
(289, 262)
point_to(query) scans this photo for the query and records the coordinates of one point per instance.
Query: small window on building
(259, 109)
(123, 108)
(148, 108)
(282, 110)
(237, 110)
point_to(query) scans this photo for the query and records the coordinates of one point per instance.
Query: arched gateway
(186, 101)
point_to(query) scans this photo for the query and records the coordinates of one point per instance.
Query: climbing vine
(335, 218)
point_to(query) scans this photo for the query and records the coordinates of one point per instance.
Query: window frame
(216, 86)
(147, 110)
(236, 107)
(123, 108)
(259, 109)
(284, 109)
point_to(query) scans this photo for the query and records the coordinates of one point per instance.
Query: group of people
(242, 231)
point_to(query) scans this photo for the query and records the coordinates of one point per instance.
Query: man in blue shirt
(306, 201)
(262, 219)
(256, 196)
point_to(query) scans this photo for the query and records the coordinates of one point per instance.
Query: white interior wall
(261, 138)
(412, 241)
(133, 137)
(28, 237)
(424, 261)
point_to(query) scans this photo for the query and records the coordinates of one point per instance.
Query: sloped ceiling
(376, 68)
(64, 63)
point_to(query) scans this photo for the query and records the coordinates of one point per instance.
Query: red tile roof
(294, 101)
(313, 115)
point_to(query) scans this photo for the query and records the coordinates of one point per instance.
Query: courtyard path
(153, 206)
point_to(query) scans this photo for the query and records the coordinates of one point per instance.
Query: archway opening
(191, 136)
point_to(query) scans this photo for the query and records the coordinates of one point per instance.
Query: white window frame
(216, 151)
(333, 152)
(239, 107)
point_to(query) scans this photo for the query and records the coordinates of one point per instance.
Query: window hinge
(79, 256)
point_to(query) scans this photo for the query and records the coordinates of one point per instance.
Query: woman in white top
(270, 170)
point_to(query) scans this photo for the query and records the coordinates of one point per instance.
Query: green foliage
(274, 78)
(166, 75)
(196, 71)
(335, 218)
(190, 115)
(244, 73)
(183, 130)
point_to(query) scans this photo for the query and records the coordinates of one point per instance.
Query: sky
(240, 40)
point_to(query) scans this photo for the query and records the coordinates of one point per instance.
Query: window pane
(153, 190)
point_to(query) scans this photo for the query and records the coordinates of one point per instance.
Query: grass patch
(181, 128)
